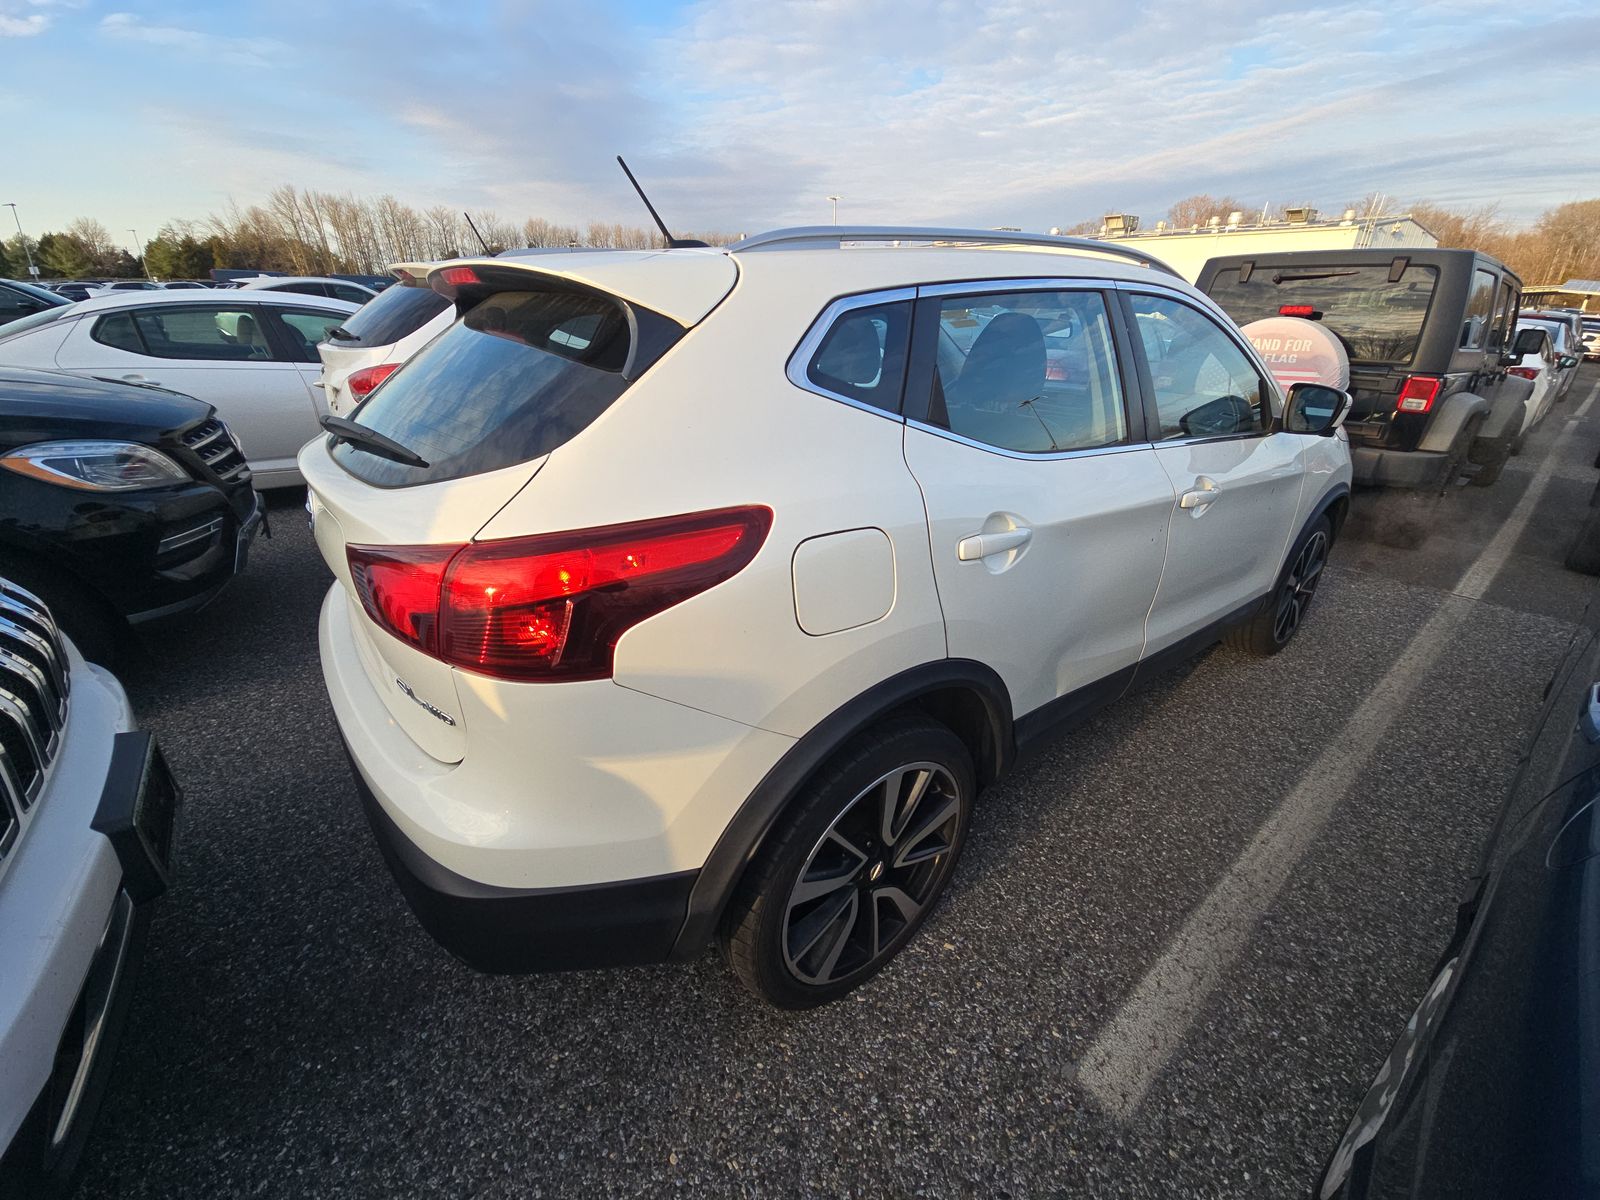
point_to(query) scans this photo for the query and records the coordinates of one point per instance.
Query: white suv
(697, 593)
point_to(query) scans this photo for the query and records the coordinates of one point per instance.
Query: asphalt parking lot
(1177, 948)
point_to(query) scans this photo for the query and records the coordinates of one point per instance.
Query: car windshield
(1378, 321)
(392, 315)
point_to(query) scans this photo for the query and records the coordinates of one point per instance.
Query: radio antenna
(672, 242)
(477, 235)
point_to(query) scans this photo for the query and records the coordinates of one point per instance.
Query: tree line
(307, 232)
(1562, 244)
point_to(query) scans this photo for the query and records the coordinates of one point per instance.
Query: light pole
(32, 270)
(835, 200)
(138, 252)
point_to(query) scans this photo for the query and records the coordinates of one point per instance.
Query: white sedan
(253, 354)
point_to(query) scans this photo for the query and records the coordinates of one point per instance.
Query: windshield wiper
(370, 440)
(340, 334)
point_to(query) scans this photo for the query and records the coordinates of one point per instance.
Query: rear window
(520, 374)
(1379, 321)
(391, 315)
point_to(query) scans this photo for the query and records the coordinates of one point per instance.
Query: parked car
(666, 610)
(18, 300)
(1591, 339)
(339, 289)
(1429, 337)
(360, 354)
(251, 354)
(124, 503)
(184, 284)
(77, 289)
(87, 817)
(1489, 1089)
(125, 285)
(1550, 369)
(1566, 344)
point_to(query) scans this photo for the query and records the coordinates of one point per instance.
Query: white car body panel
(339, 362)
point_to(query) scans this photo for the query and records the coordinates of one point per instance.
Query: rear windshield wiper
(370, 440)
(340, 334)
(1281, 278)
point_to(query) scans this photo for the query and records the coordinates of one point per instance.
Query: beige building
(1187, 250)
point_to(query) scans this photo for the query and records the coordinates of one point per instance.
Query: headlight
(95, 466)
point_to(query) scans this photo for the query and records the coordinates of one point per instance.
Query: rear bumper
(512, 930)
(1374, 467)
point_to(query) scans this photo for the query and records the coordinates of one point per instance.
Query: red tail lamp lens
(1523, 372)
(554, 606)
(1418, 393)
(363, 381)
(459, 276)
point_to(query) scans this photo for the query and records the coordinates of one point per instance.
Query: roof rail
(812, 236)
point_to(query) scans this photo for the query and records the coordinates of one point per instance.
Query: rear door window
(205, 332)
(393, 314)
(1480, 303)
(863, 355)
(519, 375)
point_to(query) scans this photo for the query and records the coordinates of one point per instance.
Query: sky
(740, 116)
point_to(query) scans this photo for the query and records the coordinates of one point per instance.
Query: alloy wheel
(1300, 586)
(872, 873)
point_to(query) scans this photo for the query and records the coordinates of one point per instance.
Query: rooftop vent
(1349, 217)
(1235, 219)
(1115, 224)
(1300, 216)
(1214, 222)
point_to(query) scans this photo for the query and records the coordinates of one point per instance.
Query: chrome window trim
(1026, 456)
(1074, 283)
(800, 359)
(1203, 304)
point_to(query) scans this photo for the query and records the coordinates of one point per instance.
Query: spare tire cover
(1300, 351)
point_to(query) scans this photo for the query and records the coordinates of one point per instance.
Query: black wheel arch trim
(759, 814)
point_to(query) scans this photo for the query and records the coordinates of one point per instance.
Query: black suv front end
(120, 503)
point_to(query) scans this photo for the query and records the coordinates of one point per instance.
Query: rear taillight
(1523, 372)
(553, 606)
(1418, 393)
(1306, 311)
(363, 381)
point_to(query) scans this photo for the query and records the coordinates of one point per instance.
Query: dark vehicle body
(105, 558)
(1493, 1089)
(18, 300)
(1428, 333)
(78, 289)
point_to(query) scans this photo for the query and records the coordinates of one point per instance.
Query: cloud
(201, 47)
(13, 25)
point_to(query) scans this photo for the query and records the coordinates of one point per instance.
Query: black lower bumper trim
(138, 812)
(518, 931)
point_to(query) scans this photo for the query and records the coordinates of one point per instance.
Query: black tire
(1460, 454)
(839, 841)
(1280, 618)
(94, 628)
(1489, 472)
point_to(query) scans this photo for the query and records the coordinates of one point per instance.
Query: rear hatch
(1377, 311)
(369, 338)
(535, 358)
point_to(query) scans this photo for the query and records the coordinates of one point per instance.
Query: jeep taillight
(1418, 393)
(1523, 372)
(552, 606)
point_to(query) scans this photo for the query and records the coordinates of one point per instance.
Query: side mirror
(1316, 409)
(1529, 341)
(1568, 361)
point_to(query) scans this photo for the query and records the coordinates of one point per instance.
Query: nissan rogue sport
(696, 594)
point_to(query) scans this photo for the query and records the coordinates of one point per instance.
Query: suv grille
(210, 440)
(33, 703)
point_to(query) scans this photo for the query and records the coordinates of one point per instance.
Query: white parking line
(1155, 1018)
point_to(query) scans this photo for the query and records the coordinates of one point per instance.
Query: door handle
(141, 379)
(982, 545)
(1203, 493)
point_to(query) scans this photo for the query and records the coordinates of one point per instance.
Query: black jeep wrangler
(1429, 334)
